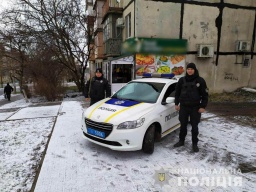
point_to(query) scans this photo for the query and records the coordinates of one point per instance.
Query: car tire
(149, 140)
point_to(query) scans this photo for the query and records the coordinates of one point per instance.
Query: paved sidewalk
(13, 98)
(73, 164)
(59, 171)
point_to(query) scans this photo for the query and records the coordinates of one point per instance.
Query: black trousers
(184, 113)
(8, 96)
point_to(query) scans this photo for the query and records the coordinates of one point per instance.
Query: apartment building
(136, 36)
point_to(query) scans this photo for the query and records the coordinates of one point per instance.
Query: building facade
(220, 36)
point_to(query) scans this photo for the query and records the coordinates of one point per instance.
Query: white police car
(140, 113)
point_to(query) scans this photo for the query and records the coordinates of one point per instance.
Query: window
(122, 73)
(140, 91)
(106, 30)
(128, 26)
(170, 92)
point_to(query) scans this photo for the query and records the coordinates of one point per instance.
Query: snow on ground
(21, 146)
(249, 89)
(75, 164)
(18, 103)
(36, 112)
(5, 115)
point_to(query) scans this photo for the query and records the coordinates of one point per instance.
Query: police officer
(97, 88)
(191, 98)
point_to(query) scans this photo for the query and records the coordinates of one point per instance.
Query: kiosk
(146, 55)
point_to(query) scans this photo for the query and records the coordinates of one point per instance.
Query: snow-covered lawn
(225, 162)
(21, 146)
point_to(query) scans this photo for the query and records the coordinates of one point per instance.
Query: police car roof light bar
(159, 75)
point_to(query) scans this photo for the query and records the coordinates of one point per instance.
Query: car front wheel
(149, 140)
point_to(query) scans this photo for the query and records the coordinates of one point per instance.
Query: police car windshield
(147, 92)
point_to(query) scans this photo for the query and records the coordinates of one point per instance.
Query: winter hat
(192, 66)
(98, 70)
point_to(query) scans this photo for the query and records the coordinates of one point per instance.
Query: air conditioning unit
(205, 50)
(120, 22)
(243, 46)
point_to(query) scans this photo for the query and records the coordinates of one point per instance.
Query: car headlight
(131, 124)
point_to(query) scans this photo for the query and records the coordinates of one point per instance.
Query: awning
(123, 60)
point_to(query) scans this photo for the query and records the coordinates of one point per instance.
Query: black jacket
(8, 89)
(191, 92)
(97, 88)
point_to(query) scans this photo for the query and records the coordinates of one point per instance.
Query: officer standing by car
(97, 88)
(191, 99)
(7, 91)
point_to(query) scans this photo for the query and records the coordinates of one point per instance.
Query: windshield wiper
(115, 97)
(131, 99)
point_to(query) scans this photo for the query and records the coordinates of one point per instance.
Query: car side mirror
(168, 100)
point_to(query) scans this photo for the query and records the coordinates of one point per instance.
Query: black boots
(195, 148)
(179, 144)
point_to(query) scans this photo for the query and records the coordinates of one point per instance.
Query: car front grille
(104, 127)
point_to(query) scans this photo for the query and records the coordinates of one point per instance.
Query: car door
(168, 114)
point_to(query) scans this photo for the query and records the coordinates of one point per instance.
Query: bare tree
(61, 21)
(46, 73)
(14, 55)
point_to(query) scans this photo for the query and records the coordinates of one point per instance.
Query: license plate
(95, 132)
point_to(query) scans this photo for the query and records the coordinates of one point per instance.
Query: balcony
(112, 47)
(111, 6)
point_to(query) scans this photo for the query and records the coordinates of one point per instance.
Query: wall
(129, 8)
(242, 2)
(252, 80)
(217, 22)
(157, 20)
(200, 27)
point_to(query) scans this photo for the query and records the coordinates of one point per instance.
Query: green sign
(154, 46)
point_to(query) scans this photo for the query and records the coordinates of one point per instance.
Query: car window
(140, 91)
(170, 92)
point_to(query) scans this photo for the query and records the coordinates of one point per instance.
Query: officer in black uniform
(191, 98)
(97, 88)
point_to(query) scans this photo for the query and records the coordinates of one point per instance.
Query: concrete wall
(242, 2)
(207, 1)
(203, 22)
(200, 28)
(199, 25)
(252, 80)
(238, 24)
(230, 76)
(237, 2)
(157, 20)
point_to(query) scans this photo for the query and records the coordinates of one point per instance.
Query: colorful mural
(149, 63)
